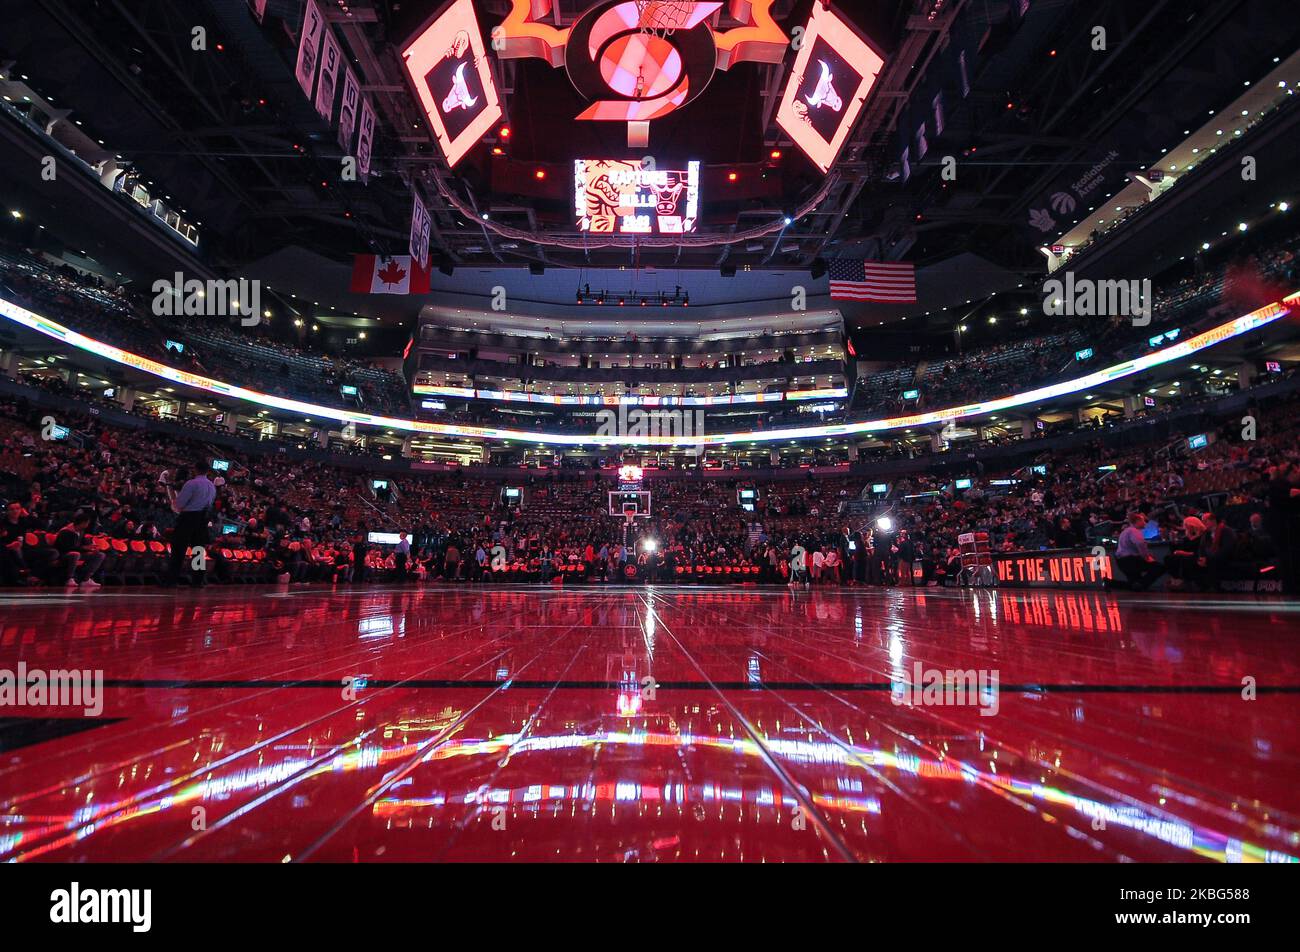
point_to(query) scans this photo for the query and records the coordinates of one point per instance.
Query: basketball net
(663, 17)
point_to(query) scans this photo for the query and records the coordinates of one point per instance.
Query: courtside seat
(133, 562)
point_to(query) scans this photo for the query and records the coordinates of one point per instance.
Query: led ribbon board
(832, 75)
(452, 77)
(1235, 328)
(634, 400)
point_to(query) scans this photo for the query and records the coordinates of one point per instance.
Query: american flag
(853, 280)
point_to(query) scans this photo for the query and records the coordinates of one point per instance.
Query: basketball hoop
(663, 18)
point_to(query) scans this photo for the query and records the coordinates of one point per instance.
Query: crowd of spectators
(251, 356)
(1259, 275)
(311, 520)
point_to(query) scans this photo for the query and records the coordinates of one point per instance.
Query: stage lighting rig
(678, 298)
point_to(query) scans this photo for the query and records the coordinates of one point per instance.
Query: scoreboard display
(624, 197)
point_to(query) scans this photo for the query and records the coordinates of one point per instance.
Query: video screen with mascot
(615, 196)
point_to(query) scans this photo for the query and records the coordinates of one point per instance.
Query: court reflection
(655, 725)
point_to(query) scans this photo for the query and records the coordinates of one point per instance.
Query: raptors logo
(638, 62)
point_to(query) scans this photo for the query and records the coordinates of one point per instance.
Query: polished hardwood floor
(649, 724)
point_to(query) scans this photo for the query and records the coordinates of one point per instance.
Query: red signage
(1075, 568)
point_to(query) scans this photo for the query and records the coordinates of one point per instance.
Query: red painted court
(624, 724)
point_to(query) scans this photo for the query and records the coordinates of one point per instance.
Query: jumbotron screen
(621, 197)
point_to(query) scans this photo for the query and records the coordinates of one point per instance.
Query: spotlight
(650, 545)
(505, 132)
(884, 523)
(776, 154)
(732, 176)
(540, 174)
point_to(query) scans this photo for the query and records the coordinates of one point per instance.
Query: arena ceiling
(228, 131)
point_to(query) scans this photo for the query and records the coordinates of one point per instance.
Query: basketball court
(646, 723)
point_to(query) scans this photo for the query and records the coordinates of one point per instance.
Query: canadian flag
(374, 274)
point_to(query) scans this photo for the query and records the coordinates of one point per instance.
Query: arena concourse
(613, 431)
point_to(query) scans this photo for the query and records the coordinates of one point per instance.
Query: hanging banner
(420, 225)
(348, 108)
(331, 60)
(259, 9)
(313, 27)
(365, 139)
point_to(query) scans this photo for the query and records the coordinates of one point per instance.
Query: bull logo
(825, 94)
(667, 197)
(459, 97)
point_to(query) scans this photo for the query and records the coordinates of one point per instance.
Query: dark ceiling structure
(1028, 100)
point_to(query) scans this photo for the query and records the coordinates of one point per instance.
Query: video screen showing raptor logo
(621, 197)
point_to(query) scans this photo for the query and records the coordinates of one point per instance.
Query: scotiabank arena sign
(1066, 568)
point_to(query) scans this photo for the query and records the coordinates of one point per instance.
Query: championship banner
(420, 225)
(330, 61)
(366, 139)
(348, 108)
(1065, 568)
(313, 27)
(375, 274)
